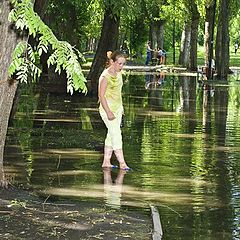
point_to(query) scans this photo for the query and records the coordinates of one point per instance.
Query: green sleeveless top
(113, 92)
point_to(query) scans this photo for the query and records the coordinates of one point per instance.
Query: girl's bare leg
(107, 156)
(120, 158)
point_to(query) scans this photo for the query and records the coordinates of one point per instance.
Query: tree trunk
(209, 27)
(222, 42)
(8, 41)
(40, 7)
(160, 34)
(185, 45)
(157, 33)
(154, 34)
(174, 41)
(108, 41)
(194, 36)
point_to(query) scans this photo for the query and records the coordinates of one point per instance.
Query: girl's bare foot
(124, 166)
(109, 166)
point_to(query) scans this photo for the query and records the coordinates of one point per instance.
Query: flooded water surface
(181, 138)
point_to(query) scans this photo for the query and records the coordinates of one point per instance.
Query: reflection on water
(113, 189)
(181, 138)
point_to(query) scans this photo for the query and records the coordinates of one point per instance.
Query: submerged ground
(181, 137)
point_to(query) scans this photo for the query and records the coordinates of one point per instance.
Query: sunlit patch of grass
(71, 120)
(162, 113)
(178, 135)
(224, 149)
(71, 173)
(131, 195)
(73, 151)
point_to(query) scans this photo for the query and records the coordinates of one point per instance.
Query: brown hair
(114, 56)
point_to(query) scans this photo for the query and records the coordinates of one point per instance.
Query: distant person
(213, 64)
(124, 48)
(162, 56)
(149, 53)
(236, 47)
(159, 55)
(213, 67)
(111, 108)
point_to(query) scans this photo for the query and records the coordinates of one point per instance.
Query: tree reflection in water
(181, 138)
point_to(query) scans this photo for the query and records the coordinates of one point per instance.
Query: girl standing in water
(111, 108)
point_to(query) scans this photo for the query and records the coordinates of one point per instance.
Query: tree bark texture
(195, 16)
(222, 42)
(107, 42)
(40, 7)
(185, 45)
(8, 41)
(209, 19)
(154, 35)
(160, 34)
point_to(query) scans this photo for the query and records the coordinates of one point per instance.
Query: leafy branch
(63, 55)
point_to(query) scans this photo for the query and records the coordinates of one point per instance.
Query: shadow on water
(181, 138)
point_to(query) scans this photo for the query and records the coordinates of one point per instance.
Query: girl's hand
(110, 116)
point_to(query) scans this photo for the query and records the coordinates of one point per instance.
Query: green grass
(235, 59)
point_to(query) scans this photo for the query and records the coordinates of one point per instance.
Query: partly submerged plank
(157, 227)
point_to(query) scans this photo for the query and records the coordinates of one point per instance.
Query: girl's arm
(102, 99)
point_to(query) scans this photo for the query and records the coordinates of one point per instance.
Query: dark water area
(181, 138)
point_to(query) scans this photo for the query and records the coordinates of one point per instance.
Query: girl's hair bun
(109, 54)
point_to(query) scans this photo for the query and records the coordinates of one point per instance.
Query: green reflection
(181, 138)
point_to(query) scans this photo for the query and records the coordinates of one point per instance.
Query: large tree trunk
(40, 7)
(194, 36)
(108, 41)
(153, 34)
(209, 29)
(222, 42)
(157, 34)
(8, 41)
(160, 34)
(185, 45)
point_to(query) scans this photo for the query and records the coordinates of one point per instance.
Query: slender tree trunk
(185, 45)
(154, 34)
(8, 41)
(222, 42)
(157, 33)
(174, 41)
(150, 38)
(209, 20)
(160, 34)
(108, 41)
(194, 36)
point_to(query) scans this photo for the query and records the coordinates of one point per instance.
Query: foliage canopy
(63, 55)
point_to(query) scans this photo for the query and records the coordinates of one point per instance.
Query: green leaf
(63, 55)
